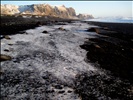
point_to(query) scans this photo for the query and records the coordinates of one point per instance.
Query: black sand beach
(123, 30)
(115, 51)
(111, 52)
(11, 24)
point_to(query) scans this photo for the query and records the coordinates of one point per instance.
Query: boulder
(45, 32)
(10, 44)
(93, 29)
(92, 47)
(1, 71)
(38, 24)
(7, 37)
(6, 50)
(4, 57)
(96, 46)
(61, 28)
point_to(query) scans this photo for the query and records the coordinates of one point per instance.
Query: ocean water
(112, 20)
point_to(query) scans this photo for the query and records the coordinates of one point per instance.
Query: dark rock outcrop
(93, 29)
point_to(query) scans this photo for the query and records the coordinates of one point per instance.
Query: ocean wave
(113, 20)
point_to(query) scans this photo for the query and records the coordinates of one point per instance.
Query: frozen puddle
(44, 66)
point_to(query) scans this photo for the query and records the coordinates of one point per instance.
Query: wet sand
(115, 52)
(124, 30)
(11, 25)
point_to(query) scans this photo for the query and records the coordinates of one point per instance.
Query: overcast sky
(96, 8)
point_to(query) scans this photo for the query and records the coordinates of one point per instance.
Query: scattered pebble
(45, 32)
(61, 91)
(69, 91)
(10, 44)
(6, 50)
(61, 28)
(58, 87)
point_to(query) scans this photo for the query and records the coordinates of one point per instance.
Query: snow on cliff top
(60, 7)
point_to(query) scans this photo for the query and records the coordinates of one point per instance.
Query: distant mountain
(9, 9)
(85, 16)
(41, 9)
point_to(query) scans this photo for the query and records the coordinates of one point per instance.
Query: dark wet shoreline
(12, 25)
(116, 48)
(114, 52)
(124, 30)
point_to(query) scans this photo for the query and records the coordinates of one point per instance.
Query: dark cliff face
(71, 11)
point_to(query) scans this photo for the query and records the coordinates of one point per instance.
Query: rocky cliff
(9, 9)
(40, 9)
(85, 16)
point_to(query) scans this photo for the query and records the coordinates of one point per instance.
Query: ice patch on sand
(57, 52)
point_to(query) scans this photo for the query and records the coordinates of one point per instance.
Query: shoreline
(54, 56)
(117, 41)
(12, 25)
(114, 52)
(120, 39)
(123, 30)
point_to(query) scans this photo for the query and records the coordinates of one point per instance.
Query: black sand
(124, 30)
(116, 50)
(118, 54)
(113, 53)
(12, 25)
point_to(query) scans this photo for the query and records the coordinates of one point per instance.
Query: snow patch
(57, 52)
